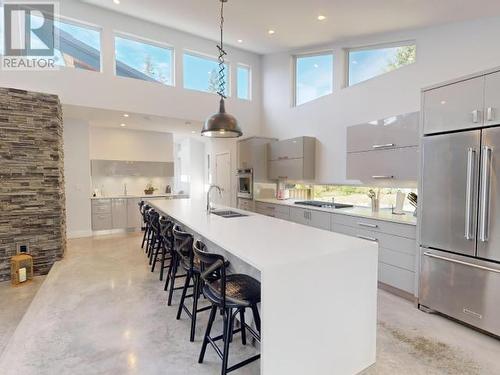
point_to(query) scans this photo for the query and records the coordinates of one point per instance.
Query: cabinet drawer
(397, 259)
(384, 167)
(396, 277)
(321, 220)
(402, 230)
(101, 206)
(102, 221)
(397, 244)
(392, 132)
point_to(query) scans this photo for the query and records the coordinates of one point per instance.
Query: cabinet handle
(489, 114)
(475, 116)
(368, 225)
(384, 146)
(382, 177)
(372, 239)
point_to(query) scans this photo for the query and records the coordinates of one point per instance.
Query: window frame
(347, 51)
(295, 58)
(207, 56)
(84, 25)
(250, 86)
(151, 42)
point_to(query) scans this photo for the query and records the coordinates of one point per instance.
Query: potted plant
(150, 189)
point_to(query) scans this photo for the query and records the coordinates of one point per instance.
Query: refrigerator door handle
(484, 215)
(489, 269)
(471, 156)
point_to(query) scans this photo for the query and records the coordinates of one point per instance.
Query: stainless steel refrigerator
(460, 226)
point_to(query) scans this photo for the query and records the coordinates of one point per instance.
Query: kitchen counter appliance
(245, 183)
(324, 204)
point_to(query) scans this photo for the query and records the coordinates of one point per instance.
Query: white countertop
(383, 214)
(141, 196)
(257, 239)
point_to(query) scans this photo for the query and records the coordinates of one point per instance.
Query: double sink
(228, 214)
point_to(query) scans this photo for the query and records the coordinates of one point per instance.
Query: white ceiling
(113, 119)
(295, 21)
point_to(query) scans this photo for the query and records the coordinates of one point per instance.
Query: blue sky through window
(153, 61)
(243, 82)
(201, 73)
(365, 64)
(314, 77)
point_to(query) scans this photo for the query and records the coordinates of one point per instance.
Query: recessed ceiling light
(117, 2)
(240, 41)
(321, 17)
(125, 115)
(123, 125)
(271, 31)
(193, 132)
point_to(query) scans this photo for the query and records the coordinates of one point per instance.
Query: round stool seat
(241, 290)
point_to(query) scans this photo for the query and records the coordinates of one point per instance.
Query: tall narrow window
(313, 77)
(243, 82)
(143, 60)
(202, 73)
(366, 63)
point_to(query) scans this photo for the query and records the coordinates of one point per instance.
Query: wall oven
(245, 183)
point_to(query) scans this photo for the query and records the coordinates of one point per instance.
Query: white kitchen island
(319, 288)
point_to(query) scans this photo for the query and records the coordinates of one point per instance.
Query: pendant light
(221, 124)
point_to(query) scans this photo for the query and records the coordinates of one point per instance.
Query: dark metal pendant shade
(221, 124)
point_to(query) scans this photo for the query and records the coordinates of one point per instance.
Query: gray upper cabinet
(492, 99)
(292, 159)
(455, 106)
(385, 167)
(384, 152)
(252, 153)
(391, 132)
(132, 168)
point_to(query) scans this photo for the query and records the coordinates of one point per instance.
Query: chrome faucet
(209, 205)
(125, 189)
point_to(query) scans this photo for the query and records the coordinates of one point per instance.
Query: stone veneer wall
(32, 203)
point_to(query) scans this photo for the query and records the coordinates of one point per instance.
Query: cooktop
(324, 204)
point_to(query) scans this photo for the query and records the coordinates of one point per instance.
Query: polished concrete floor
(101, 311)
(14, 301)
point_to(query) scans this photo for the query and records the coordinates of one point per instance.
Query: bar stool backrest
(213, 267)
(154, 218)
(166, 226)
(183, 245)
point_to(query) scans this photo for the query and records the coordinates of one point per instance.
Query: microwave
(245, 183)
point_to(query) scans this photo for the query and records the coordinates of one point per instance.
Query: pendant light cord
(222, 54)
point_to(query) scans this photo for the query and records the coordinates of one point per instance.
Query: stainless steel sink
(228, 214)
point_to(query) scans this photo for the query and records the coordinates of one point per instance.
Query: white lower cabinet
(313, 218)
(115, 213)
(119, 213)
(397, 247)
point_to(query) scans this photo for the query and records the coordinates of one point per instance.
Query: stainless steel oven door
(245, 185)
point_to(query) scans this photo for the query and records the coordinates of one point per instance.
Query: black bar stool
(154, 218)
(165, 245)
(175, 261)
(232, 294)
(191, 264)
(143, 210)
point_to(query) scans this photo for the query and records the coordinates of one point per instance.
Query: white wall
(135, 145)
(104, 90)
(443, 53)
(77, 177)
